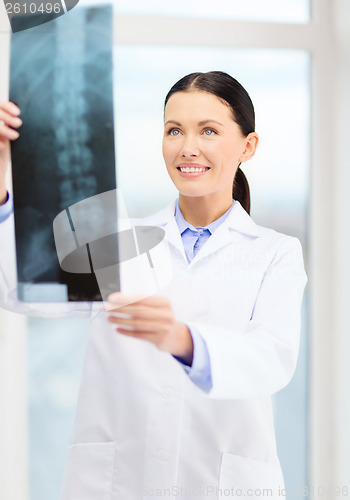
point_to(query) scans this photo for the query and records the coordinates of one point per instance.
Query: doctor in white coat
(175, 396)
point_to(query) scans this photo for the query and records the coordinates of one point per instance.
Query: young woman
(176, 387)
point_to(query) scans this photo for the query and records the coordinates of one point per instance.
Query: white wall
(341, 168)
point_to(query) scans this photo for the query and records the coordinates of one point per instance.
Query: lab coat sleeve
(261, 360)
(8, 284)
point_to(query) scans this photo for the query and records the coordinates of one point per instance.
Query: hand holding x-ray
(9, 122)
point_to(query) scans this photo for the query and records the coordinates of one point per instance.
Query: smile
(193, 169)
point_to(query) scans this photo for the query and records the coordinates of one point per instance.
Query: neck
(202, 210)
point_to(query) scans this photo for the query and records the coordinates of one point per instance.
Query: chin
(192, 194)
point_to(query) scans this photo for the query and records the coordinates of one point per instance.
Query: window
(281, 11)
(277, 72)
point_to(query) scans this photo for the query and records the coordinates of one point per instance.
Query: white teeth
(193, 169)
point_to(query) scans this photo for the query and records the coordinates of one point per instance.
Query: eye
(174, 132)
(209, 131)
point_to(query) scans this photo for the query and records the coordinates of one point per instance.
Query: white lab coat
(143, 429)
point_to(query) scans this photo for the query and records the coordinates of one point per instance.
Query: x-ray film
(63, 164)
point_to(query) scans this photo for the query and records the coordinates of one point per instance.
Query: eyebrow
(204, 122)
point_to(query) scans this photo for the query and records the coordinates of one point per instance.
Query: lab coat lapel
(172, 235)
(238, 222)
(166, 219)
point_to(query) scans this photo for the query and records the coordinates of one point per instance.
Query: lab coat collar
(238, 220)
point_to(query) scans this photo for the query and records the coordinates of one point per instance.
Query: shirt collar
(237, 220)
(183, 224)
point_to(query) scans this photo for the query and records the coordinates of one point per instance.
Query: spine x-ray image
(61, 78)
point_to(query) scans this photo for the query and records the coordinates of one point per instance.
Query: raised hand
(9, 121)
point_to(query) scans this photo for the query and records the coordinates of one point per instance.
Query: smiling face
(203, 145)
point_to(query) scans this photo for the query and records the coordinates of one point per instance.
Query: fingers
(142, 319)
(149, 336)
(10, 108)
(139, 311)
(9, 120)
(121, 300)
(8, 133)
(138, 325)
(149, 318)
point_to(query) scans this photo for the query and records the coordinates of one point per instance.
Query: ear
(251, 143)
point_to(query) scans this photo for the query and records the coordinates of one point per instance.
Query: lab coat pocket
(89, 472)
(246, 477)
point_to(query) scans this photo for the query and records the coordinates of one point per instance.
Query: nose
(189, 148)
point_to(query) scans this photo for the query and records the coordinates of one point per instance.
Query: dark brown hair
(228, 89)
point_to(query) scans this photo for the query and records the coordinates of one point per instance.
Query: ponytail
(240, 191)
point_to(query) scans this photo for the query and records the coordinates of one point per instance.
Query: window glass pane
(288, 11)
